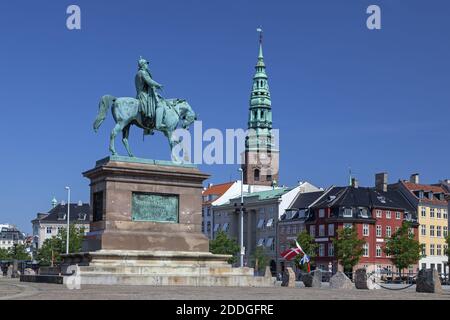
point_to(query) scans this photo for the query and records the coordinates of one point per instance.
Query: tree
(309, 246)
(4, 254)
(52, 248)
(348, 248)
(403, 248)
(19, 252)
(260, 259)
(224, 245)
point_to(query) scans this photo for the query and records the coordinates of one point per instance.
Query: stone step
(183, 270)
(176, 280)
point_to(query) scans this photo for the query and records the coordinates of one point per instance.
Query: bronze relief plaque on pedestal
(155, 207)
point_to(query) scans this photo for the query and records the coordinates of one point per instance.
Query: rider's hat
(142, 62)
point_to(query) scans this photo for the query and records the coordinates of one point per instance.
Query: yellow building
(432, 215)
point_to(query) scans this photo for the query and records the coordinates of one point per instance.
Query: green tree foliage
(19, 252)
(348, 248)
(4, 254)
(309, 246)
(403, 248)
(52, 248)
(260, 259)
(224, 245)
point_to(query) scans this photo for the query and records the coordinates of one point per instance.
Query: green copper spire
(54, 202)
(260, 115)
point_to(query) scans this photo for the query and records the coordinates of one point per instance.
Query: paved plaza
(12, 289)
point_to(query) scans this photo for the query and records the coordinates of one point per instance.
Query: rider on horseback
(149, 100)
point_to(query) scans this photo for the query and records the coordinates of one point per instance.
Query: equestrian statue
(148, 111)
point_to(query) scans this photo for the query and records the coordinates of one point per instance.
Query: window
(365, 230)
(256, 175)
(366, 250)
(261, 242)
(331, 230)
(208, 227)
(203, 226)
(432, 213)
(445, 231)
(269, 223)
(388, 231)
(348, 213)
(379, 214)
(388, 214)
(216, 227)
(269, 242)
(398, 215)
(330, 249)
(321, 250)
(260, 223)
(439, 214)
(431, 231)
(424, 250)
(225, 227)
(49, 230)
(348, 225)
(423, 230)
(363, 213)
(439, 250)
(424, 212)
(312, 231)
(379, 253)
(321, 213)
(445, 214)
(321, 230)
(432, 250)
(379, 231)
(438, 231)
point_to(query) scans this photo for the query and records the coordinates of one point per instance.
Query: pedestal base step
(175, 280)
(161, 268)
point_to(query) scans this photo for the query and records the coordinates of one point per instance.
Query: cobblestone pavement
(13, 289)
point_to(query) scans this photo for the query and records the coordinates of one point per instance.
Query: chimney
(414, 178)
(355, 183)
(381, 181)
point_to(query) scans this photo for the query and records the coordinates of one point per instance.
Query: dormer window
(61, 216)
(430, 195)
(381, 199)
(82, 216)
(363, 213)
(348, 213)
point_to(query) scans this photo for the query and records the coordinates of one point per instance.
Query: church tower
(261, 159)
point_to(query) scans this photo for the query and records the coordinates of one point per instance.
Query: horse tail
(103, 107)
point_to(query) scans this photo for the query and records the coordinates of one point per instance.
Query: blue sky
(342, 95)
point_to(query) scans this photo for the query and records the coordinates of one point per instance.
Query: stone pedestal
(428, 281)
(341, 281)
(288, 278)
(118, 182)
(361, 279)
(313, 279)
(146, 229)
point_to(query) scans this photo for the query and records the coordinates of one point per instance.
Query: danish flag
(290, 254)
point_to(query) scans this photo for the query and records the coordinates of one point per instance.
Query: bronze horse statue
(126, 112)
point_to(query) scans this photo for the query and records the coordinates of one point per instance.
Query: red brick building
(376, 213)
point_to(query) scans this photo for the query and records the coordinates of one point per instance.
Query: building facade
(376, 213)
(292, 223)
(262, 211)
(431, 205)
(48, 225)
(11, 236)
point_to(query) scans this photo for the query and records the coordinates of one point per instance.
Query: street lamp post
(241, 218)
(68, 220)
